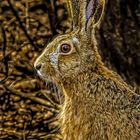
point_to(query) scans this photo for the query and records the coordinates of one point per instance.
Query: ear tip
(86, 13)
(99, 13)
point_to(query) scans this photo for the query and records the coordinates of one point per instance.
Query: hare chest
(75, 122)
(82, 120)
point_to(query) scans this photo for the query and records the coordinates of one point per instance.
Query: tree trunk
(119, 39)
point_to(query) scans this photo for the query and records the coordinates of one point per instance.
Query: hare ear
(94, 13)
(86, 14)
(73, 11)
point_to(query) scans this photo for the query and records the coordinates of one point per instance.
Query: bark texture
(119, 38)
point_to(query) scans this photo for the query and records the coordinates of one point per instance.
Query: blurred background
(28, 108)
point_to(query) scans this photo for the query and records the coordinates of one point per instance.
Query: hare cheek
(54, 60)
(70, 69)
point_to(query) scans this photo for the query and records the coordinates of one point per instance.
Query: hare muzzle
(38, 66)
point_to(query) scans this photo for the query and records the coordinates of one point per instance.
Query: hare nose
(38, 66)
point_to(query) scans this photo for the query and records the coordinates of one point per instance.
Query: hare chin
(50, 82)
(45, 78)
(48, 79)
(52, 85)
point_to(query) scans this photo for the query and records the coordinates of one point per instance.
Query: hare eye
(65, 48)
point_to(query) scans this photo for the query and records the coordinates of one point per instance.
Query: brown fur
(98, 104)
(106, 109)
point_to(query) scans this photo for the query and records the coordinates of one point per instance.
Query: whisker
(50, 86)
(47, 84)
(59, 97)
(58, 90)
(54, 89)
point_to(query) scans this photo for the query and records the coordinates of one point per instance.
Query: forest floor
(27, 107)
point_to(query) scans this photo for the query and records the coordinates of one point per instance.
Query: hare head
(74, 53)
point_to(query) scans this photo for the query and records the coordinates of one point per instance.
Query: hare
(98, 104)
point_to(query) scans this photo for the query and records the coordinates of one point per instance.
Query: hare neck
(79, 86)
(83, 85)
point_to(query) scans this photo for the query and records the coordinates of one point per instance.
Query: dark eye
(65, 48)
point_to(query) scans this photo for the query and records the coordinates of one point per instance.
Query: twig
(50, 4)
(5, 59)
(50, 100)
(52, 136)
(27, 15)
(21, 24)
(4, 40)
(54, 119)
(35, 99)
(20, 134)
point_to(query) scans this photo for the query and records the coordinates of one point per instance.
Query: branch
(52, 136)
(50, 4)
(35, 99)
(20, 134)
(5, 58)
(21, 24)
